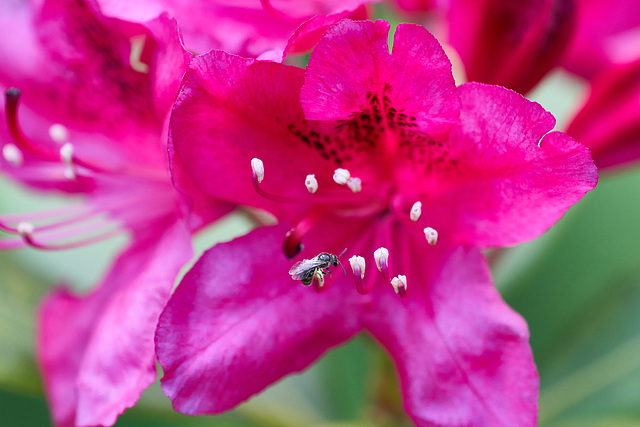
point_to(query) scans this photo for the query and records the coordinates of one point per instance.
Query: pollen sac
(59, 133)
(12, 155)
(341, 176)
(399, 284)
(357, 265)
(416, 211)
(258, 169)
(66, 153)
(431, 235)
(312, 183)
(25, 229)
(381, 255)
(354, 184)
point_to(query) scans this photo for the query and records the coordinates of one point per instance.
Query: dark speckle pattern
(359, 135)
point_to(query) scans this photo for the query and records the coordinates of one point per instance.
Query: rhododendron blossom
(245, 27)
(377, 132)
(90, 118)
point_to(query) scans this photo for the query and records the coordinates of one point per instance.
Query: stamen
(29, 240)
(258, 169)
(25, 230)
(354, 184)
(431, 235)
(341, 176)
(312, 183)
(12, 96)
(135, 56)
(292, 245)
(12, 155)
(318, 281)
(59, 133)
(381, 255)
(66, 155)
(358, 267)
(399, 284)
(416, 211)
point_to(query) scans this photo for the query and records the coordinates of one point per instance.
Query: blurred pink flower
(481, 159)
(515, 44)
(92, 121)
(510, 43)
(607, 34)
(609, 122)
(245, 27)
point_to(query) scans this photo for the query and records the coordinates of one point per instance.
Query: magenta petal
(607, 34)
(514, 178)
(231, 110)
(238, 322)
(96, 352)
(247, 28)
(461, 353)
(416, 77)
(513, 44)
(609, 122)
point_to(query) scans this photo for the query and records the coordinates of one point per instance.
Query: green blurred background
(578, 286)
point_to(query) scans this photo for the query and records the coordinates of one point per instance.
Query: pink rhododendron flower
(341, 159)
(245, 27)
(415, 6)
(513, 44)
(93, 120)
(609, 122)
(607, 34)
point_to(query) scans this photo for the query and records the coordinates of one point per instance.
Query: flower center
(355, 203)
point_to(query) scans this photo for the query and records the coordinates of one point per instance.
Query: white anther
(416, 211)
(135, 55)
(70, 173)
(258, 168)
(431, 235)
(354, 184)
(381, 254)
(12, 155)
(25, 229)
(357, 262)
(59, 133)
(341, 176)
(66, 153)
(311, 182)
(399, 284)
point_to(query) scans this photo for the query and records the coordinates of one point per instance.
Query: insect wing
(298, 270)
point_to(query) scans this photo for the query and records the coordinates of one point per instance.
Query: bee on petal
(316, 267)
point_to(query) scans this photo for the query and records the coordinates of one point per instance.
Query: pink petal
(311, 31)
(415, 6)
(238, 322)
(511, 178)
(231, 110)
(609, 122)
(85, 54)
(607, 34)
(461, 354)
(96, 352)
(245, 28)
(513, 44)
(416, 77)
